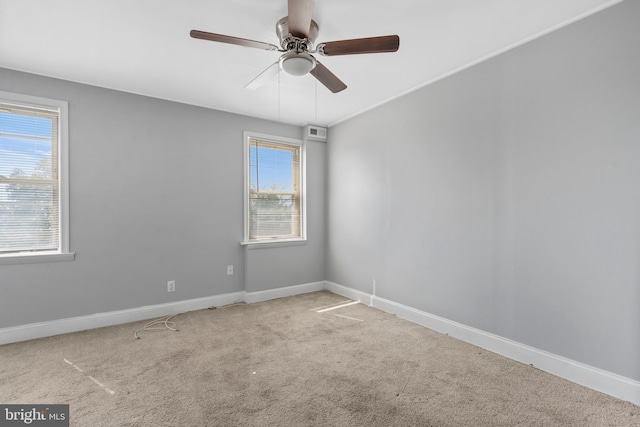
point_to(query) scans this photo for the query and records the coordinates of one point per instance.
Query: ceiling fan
(297, 33)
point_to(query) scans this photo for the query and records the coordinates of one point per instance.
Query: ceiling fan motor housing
(290, 42)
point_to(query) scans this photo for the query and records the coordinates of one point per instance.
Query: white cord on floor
(168, 324)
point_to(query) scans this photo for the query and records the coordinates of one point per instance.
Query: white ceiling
(143, 47)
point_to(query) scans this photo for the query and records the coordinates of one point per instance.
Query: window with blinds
(274, 189)
(29, 179)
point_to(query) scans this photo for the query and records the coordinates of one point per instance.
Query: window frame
(278, 140)
(62, 253)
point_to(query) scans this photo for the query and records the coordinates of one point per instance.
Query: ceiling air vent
(316, 133)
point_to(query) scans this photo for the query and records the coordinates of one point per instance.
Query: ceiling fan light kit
(297, 33)
(297, 64)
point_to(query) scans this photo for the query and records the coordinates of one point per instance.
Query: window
(33, 175)
(274, 189)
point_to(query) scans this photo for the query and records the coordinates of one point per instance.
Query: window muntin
(274, 202)
(33, 197)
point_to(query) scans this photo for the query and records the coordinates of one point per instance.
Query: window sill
(263, 244)
(31, 258)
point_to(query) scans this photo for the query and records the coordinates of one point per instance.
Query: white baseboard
(99, 320)
(287, 291)
(588, 376)
(353, 294)
(597, 379)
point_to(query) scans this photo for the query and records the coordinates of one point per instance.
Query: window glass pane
(274, 183)
(25, 146)
(276, 166)
(28, 217)
(29, 191)
(274, 215)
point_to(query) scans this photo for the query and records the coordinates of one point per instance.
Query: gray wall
(506, 197)
(156, 195)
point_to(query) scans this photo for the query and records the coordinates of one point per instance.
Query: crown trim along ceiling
(144, 47)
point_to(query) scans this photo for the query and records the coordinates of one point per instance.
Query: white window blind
(29, 179)
(275, 190)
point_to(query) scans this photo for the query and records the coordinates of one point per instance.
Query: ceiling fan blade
(327, 78)
(232, 40)
(299, 19)
(355, 46)
(270, 72)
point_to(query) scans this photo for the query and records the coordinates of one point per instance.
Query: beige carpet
(281, 363)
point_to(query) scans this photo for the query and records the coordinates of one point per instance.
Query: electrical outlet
(171, 286)
(229, 270)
